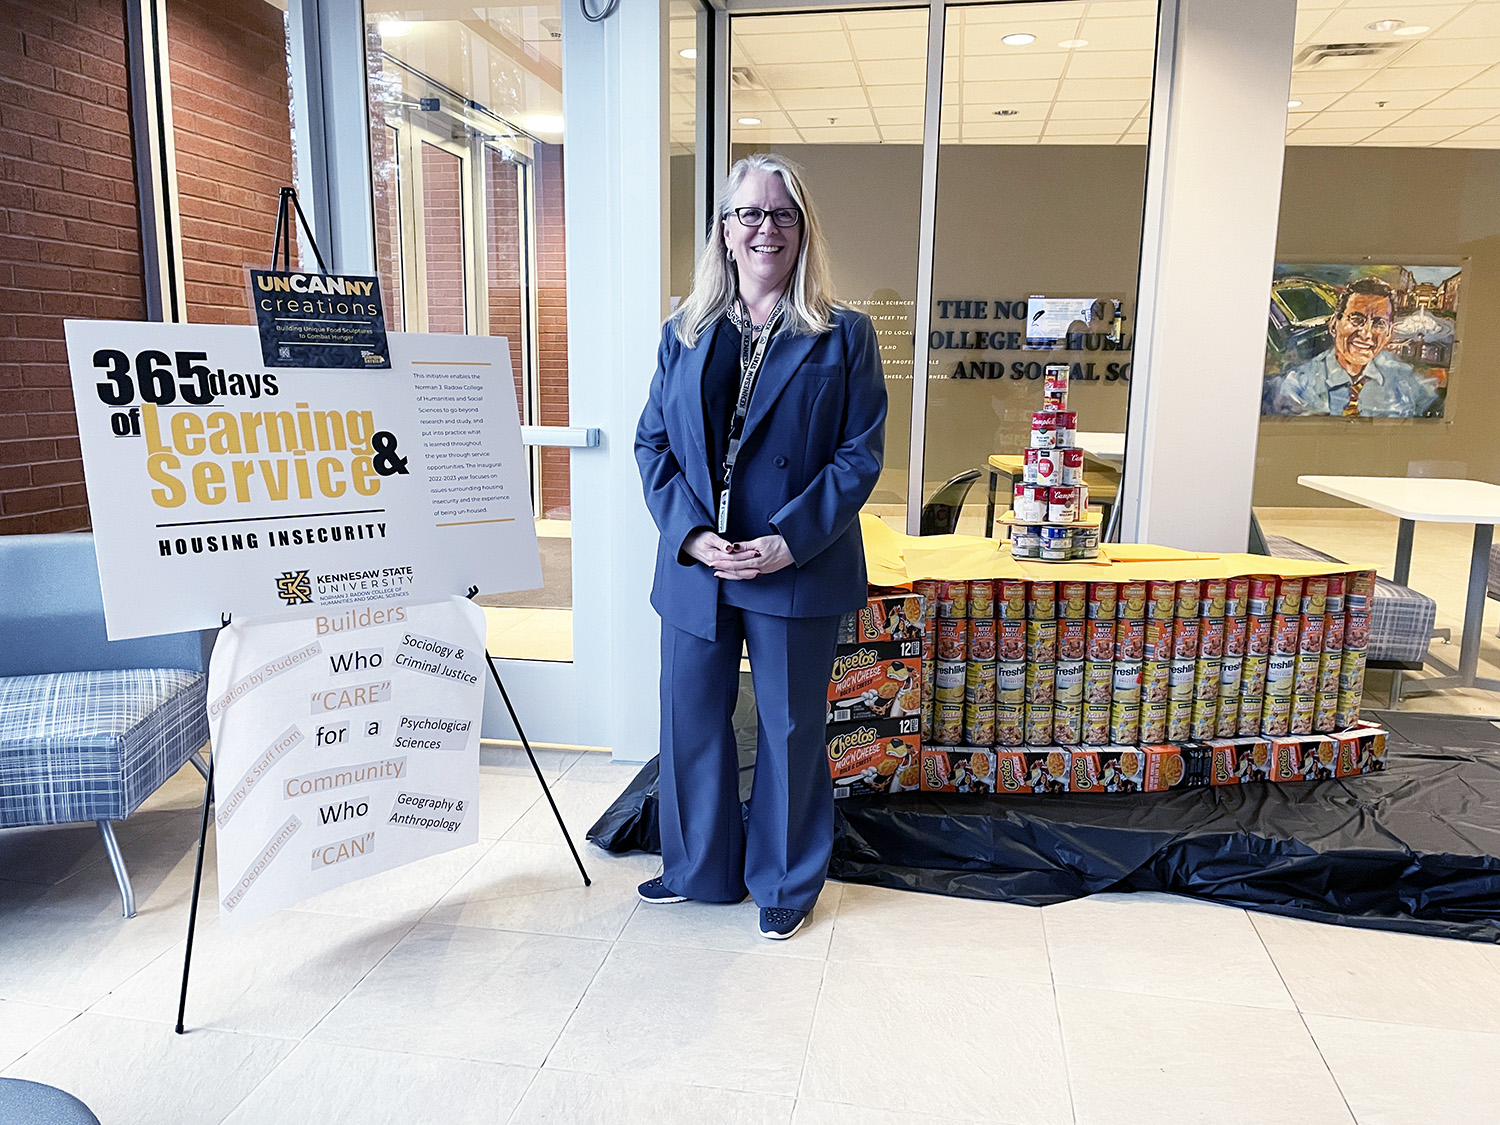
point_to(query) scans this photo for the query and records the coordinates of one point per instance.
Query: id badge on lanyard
(751, 357)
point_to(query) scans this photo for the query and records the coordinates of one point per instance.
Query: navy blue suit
(810, 455)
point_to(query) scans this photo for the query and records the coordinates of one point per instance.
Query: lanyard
(752, 353)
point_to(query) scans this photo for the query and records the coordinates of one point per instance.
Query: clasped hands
(737, 562)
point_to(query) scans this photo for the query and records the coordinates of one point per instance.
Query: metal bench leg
(1394, 701)
(117, 861)
(198, 764)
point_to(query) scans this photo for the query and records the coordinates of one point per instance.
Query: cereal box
(1296, 759)
(906, 779)
(1083, 772)
(961, 769)
(1164, 767)
(1235, 761)
(1122, 769)
(875, 681)
(1044, 771)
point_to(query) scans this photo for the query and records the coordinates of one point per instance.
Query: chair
(32, 1103)
(89, 727)
(940, 513)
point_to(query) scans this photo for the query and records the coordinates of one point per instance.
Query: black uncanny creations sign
(319, 320)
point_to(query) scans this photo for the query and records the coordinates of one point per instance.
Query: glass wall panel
(1041, 190)
(1380, 347)
(233, 135)
(466, 138)
(842, 94)
(684, 17)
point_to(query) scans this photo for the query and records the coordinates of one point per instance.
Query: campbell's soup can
(1031, 502)
(1055, 389)
(1045, 429)
(953, 599)
(1041, 601)
(1049, 465)
(1072, 466)
(982, 598)
(1028, 465)
(1102, 597)
(1067, 429)
(1062, 504)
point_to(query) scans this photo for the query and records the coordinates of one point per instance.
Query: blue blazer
(813, 443)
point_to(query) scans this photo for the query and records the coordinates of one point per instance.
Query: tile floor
(488, 985)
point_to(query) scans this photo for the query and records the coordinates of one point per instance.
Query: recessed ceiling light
(1006, 112)
(1018, 39)
(544, 123)
(392, 29)
(1413, 29)
(1385, 25)
(1293, 104)
(749, 120)
(689, 52)
(1070, 44)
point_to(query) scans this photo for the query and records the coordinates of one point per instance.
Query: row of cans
(1054, 429)
(1052, 543)
(1052, 466)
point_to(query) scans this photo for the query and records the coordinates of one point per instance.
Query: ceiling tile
(894, 72)
(1358, 119)
(1112, 64)
(1468, 97)
(904, 95)
(914, 19)
(902, 134)
(744, 101)
(806, 119)
(1372, 99)
(1478, 20)
(889, 43)
(1421, 77)
(1399, 135)
(1327, 136)
(1034, 112)
(1051, 138)
(768, 120)
(793, 24)
(758, 136)
(1098, 110)
(1452, 52)
(1480, 133)
(1327, 81)
(1133, 7)
(806, 76)
(841, 134)
(1454, 142)
(1456, 118)
(1309, 22)
(899, 115)
(1114, 34)
(839, 98)
(1348, 24)
(1033, 15)
(1005, 93)
(1085, 128)
(1489, 80)
(1312, 102)
(1103, 89)
(1008, 68)
(986, 39)
(808, 47)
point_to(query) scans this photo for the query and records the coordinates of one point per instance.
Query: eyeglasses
(755, 216)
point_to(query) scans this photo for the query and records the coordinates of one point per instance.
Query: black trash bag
(630, 824)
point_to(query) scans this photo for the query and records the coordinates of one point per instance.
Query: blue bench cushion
(93, 745)
(1401, 619)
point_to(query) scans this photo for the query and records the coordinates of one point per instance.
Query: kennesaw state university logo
(294, 588)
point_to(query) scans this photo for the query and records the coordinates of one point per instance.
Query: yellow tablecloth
(894, 559)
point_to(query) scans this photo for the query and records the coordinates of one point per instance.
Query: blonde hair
(810, 301)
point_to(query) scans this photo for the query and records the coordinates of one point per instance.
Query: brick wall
(234, 148)
(442, 220)
(505, 263)
(552, 323)
(387, 210)
(69, 245)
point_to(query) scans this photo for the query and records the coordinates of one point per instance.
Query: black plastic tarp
(1414, 848)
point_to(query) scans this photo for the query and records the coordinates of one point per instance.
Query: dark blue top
(721, 386)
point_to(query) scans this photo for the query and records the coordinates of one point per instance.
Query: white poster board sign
(218, 486)
(343, 747)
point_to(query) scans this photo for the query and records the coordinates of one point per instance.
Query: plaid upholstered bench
(89, 728)
(1401, 619)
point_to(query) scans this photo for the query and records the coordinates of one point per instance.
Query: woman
(762, 438)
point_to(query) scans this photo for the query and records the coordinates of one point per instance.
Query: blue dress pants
(780, 850)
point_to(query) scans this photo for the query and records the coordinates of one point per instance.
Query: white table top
(1102, 445)
(1431, 499)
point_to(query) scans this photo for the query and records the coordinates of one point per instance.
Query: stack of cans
(1051, 496)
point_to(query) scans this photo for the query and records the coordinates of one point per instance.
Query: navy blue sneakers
(779, 923)
(655, 891)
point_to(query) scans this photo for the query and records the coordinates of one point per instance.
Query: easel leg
(495, 672)
(187, 957)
